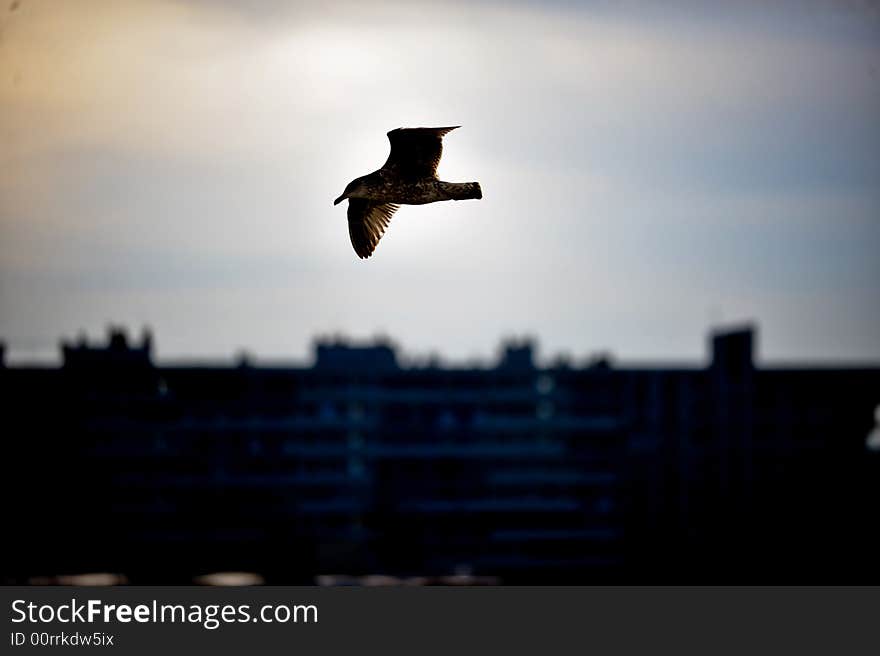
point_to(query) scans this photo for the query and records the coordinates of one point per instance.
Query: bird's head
(355, 189)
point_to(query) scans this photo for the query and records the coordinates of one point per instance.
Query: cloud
(640, 167)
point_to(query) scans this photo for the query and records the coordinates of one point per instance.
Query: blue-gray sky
(649, 170)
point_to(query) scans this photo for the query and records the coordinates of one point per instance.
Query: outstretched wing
(366, 224)
(415, 152)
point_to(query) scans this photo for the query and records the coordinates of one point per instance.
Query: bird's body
(409, 177)
(385, 186)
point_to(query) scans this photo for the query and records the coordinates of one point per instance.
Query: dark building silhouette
(356, 465)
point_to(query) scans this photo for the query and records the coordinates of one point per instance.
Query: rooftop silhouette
(359, 466)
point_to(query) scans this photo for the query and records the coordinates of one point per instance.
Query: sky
(650, 171)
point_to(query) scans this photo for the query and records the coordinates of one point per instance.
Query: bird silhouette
(408, 177)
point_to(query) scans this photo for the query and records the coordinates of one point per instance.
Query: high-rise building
(356, 465)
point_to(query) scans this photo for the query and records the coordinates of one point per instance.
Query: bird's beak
(339, 200)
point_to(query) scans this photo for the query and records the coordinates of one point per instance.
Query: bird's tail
(462, 190)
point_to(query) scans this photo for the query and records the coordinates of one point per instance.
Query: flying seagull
(409, 177)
